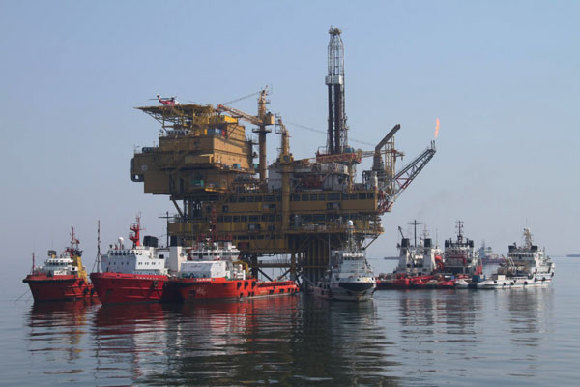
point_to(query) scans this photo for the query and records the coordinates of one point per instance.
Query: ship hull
(417, 282)
(197, 289)
(353, 292)
(510, 283)
(59, 288)
(119, 288)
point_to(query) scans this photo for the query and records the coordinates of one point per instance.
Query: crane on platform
(262, 120)
(402, 179)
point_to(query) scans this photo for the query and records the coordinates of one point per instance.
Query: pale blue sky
(502, 76)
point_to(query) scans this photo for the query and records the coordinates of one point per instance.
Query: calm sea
(419, 337)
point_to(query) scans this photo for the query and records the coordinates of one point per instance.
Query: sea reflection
(288, 340)
(433, 311)
(57, 333)
(342, 343)
(436, 323)
(529, 311)
(401, 337)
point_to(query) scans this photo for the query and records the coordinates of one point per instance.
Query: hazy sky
(502, 76)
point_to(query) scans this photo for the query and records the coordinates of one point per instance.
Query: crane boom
(262, 120)
(243, 115)
(404, 178)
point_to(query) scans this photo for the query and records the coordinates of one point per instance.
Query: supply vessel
(461, 259)
(149, 273)
(420, 264)
(134, 274)
(349, 276)
(213, 271)
(525, 266)
(62, 278)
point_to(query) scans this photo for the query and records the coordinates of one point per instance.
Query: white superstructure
(58, 265)
(213, 260)
(138, 259)
(524, 267)
(421, 258)
(350, 277)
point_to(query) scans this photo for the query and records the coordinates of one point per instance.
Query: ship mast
(415, 223)
(459, 227)
(99, 247)
(136, 228)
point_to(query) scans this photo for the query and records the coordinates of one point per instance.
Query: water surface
(414, 337)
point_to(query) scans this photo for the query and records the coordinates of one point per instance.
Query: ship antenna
(459, 229)
(415, 223)
(74, 242)
(99, 247)
(33, 262)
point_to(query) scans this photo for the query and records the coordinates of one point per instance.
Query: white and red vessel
(147, 273)
(135, 274)
(213, 271)
(461, 258)
(349, 276)
(420, 265)
(62, 278)
(525, 266)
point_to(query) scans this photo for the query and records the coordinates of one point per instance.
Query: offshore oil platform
(298, 209)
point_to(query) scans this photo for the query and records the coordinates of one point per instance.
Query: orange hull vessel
(62, 278)
(60, 288)
(191, 289)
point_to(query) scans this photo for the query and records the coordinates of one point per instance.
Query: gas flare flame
(437, 128)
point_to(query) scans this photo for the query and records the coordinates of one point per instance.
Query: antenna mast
(415, 223)
(99, 247)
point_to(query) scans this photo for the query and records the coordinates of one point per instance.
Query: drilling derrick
(337, 130)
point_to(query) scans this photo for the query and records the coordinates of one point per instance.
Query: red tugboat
(131, 275)
(62, 278)
(212, 271)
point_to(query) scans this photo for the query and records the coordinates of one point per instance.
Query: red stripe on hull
(59, 288)
(221, 288)
(114, 288)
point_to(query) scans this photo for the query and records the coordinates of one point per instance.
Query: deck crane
(402, 179)
(262, 120)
